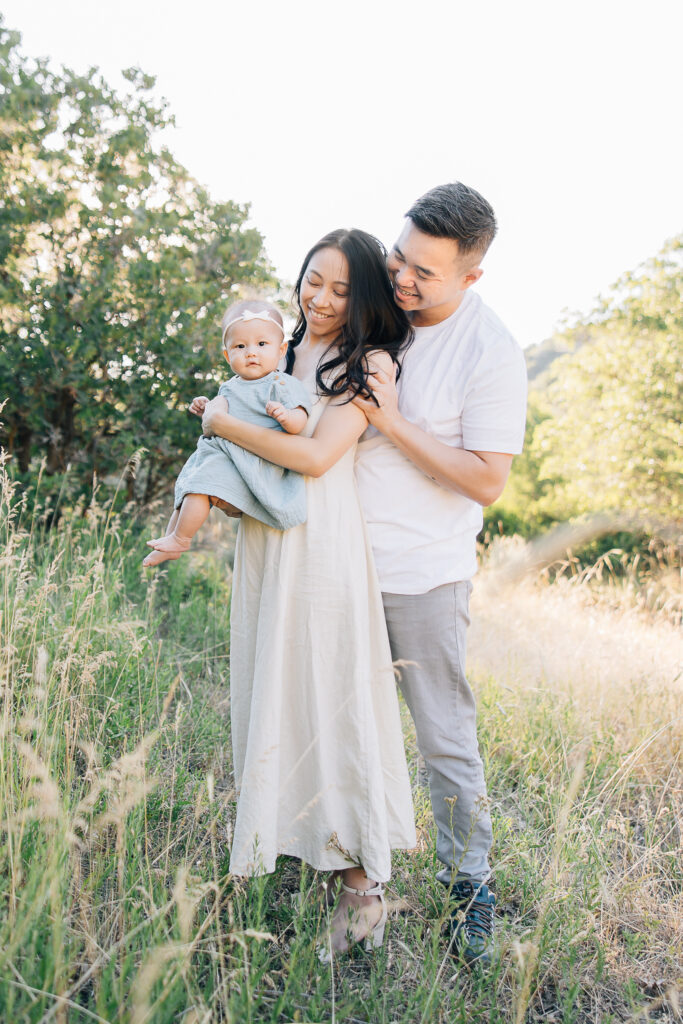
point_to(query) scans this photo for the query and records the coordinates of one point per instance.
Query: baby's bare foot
(166, 549)
(171, 543)
(157, 540)
(156, 557)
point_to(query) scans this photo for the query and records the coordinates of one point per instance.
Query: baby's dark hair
(254, 306)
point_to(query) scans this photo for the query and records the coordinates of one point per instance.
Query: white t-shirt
(464, 382)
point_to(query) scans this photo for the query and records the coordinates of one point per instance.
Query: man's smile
(404, 293)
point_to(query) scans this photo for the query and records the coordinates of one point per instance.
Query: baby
(223, 474)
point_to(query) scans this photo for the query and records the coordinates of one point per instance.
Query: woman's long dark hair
(373, 320)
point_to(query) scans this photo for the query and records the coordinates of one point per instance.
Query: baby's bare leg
(193, 513)
(229, 510)
(172, 521)
(169, 529)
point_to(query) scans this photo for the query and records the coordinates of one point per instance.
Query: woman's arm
(339, 427)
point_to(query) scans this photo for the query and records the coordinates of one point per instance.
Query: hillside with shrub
(604, 430)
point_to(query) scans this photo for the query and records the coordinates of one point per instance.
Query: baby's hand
(291, 420)
(277, 411)
(198, 405)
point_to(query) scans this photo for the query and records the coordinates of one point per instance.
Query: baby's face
(254, 348)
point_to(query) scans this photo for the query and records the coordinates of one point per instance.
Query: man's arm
(480, 476)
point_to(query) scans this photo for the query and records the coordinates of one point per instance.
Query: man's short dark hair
(458, 212)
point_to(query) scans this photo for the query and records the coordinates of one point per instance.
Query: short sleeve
(494, 410)
(291, 393)
(224, 389)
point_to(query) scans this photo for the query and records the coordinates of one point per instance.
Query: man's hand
(383, 385)
(198, 405)
(478, 475)
(219, 405)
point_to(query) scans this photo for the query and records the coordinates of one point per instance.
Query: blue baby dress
(219, 468)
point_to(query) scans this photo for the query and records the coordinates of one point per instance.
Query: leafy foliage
(114, 269)
(605, 433)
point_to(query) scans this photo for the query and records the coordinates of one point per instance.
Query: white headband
(247, 315)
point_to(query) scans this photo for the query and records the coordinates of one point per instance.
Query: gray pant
(430, 631)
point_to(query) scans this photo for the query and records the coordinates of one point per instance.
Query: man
(439, 447)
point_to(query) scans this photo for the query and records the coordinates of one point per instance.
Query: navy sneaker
(472, 921)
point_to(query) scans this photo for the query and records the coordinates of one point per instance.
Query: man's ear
(471, 277)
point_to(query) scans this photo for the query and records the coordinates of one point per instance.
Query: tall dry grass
(116, 804)
(597, 676)
(104, 822)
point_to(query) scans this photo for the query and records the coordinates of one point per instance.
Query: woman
(318, 749)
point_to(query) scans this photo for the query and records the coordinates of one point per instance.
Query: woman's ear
(225, 353)
(283, 348)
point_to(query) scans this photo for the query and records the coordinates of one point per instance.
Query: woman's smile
(325, 294)
(317, 315)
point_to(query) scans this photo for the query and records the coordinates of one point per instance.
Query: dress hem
(341, 866)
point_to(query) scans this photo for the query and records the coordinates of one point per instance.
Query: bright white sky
(322, 115)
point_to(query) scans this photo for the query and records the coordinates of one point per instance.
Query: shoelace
(478, 912)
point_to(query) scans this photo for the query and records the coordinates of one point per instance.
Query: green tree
(521, 507)
(612, 437)
(115, 266)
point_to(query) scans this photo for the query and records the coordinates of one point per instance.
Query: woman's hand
(217, 406)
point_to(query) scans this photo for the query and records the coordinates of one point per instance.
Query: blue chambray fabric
(274, 496)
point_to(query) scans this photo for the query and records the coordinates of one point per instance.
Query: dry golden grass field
(116, 802)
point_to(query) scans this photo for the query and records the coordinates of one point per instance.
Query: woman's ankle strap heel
(376, 937)
(377, 890)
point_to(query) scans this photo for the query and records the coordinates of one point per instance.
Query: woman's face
(325, 294)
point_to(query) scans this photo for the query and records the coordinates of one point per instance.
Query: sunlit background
(566, 117)
(117, 797)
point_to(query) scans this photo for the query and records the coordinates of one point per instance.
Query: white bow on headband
(249, 314)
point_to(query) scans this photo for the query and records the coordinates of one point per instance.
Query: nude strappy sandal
(375, 938)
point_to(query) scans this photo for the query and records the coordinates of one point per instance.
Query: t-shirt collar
(466, 299)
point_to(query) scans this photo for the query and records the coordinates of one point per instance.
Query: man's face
(429, 276)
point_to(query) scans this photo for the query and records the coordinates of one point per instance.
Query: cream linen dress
(318, 750)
